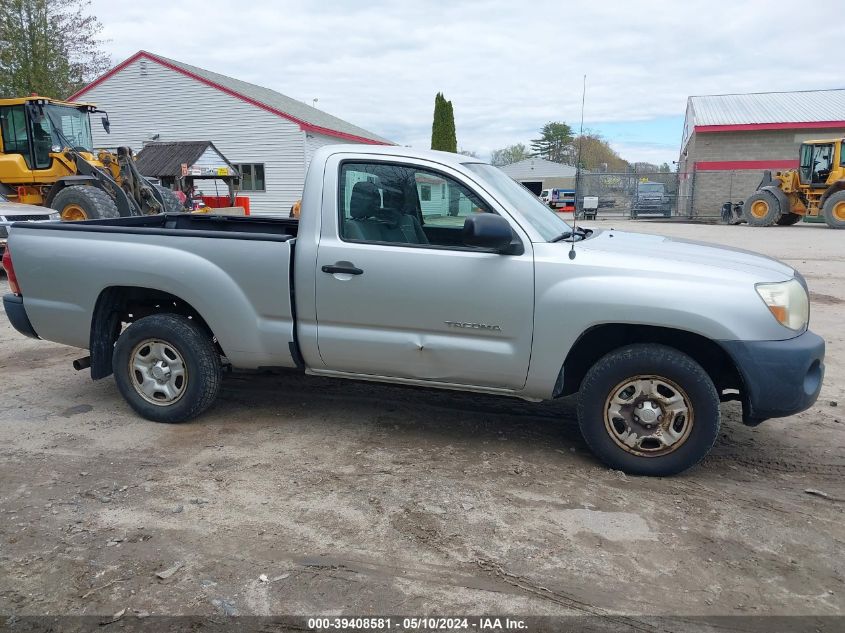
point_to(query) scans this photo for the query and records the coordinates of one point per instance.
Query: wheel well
(118, 306)
(602, 339)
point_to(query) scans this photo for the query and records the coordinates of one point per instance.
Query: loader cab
(36, 128)
(816, 162)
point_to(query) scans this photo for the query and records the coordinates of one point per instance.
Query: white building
(538, 174)
(269, 137)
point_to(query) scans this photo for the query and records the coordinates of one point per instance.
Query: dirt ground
(297, 495)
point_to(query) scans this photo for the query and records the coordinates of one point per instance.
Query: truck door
(398, 293)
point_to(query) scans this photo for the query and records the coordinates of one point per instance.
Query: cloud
(508, 67)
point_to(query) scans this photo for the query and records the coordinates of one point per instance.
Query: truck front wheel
(84, 202)
(648, 409)
(762, 209)
(167, 368)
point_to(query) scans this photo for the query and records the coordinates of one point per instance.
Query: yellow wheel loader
(47, 157)
(816, 188)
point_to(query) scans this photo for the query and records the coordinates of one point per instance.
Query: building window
(425, 193)
(252, 176)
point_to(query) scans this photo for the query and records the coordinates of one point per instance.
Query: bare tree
(509, 154)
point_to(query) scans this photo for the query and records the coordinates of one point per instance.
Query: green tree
(555, 143)
(49, 47)
(510, 154)
(443, 136)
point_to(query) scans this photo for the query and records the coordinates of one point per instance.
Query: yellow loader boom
(47, 157)
(816, 188)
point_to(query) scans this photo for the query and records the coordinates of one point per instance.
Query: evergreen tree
(443, 135)
(555, 143)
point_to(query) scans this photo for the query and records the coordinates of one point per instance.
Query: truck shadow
(437, 417)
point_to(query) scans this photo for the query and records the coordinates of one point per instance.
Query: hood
(694, 257)
(11, 209)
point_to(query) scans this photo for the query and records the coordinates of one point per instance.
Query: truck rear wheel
(762, 209)
(171, 202)
(648, 409)
(167, 368)
(834, 210)
(84, 202)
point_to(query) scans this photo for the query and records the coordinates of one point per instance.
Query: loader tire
(84, 202)
(171, 202)
(762, 209)
(834, 210)
(788, 219)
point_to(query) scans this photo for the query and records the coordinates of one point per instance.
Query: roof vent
(142, 65)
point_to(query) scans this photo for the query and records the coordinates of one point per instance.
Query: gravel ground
(297, 495)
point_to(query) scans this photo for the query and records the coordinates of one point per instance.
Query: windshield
(545, 221)
(73, 123)
(651, 188)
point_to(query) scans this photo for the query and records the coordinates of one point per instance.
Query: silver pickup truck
(437, 270)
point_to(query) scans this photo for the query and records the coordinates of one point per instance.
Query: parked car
(651, 332)
(651, 198)
(15, 212)
(559, 199)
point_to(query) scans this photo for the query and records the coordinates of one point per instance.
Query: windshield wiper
(566, 235)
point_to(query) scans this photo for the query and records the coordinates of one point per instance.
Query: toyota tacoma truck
(376, 281)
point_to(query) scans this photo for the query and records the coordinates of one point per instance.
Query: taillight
(10, 272)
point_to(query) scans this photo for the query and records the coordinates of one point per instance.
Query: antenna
(578, 171)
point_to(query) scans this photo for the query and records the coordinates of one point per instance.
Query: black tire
(833, 210)
(663, 364)
(171, 202)
(788, 219)
(87, 200)
(195, 350)
(762, 209)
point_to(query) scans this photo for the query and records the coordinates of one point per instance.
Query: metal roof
(769, 107)
(276, 100)
(165, 159)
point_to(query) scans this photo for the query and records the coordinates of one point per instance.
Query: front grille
(26, 218)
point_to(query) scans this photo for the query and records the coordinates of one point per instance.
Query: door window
(14, 130)
(397, 204)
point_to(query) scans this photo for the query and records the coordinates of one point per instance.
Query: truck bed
(185, 224)
(234, 272)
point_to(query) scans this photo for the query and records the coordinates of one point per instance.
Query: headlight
(55, 216)
(788, 302)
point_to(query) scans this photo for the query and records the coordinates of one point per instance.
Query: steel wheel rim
(839, 211)
(759, 208)
(648, 416)
(73, 213)
(158, 372)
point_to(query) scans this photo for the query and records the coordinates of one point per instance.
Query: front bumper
(780, 378)
(15, 311)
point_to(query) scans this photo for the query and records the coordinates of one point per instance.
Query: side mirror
(487, 230)
(106, 124)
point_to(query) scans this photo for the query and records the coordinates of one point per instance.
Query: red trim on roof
(750, 127)
(304, 125)
(715, 165)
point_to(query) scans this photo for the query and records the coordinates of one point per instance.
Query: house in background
(538, 174)
(729, 140)
(267, 136)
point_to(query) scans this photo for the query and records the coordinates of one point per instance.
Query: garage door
(536, 186)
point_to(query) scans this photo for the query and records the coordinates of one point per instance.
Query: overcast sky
(507, 66)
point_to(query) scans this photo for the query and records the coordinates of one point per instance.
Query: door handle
(345, 270)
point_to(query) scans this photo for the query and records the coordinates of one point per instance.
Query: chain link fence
(633, 194)
(698, 194)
